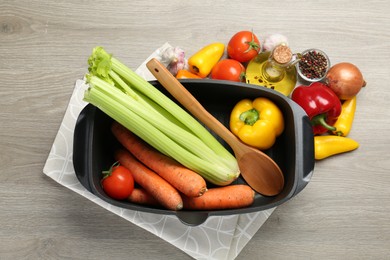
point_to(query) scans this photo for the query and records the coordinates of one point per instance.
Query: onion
(345, 79)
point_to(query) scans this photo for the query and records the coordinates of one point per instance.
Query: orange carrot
(142, 197)
(156, 186)
(227, 197)
(183, 179)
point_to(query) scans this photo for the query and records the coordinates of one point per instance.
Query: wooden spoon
(257, 168)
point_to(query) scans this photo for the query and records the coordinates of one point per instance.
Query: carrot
(141, 196)
(160, 189)
(227, 197)
(183, 179)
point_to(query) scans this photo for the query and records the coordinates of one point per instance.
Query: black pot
(293, 151)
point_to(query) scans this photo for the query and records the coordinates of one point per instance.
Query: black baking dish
(293, 151)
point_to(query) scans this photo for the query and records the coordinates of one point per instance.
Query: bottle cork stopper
(282, 54)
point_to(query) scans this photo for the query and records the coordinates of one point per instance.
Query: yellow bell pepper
(257, 123)
(202, 62)
(344, 122)
(328, 145)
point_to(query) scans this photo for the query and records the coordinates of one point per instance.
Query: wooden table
(44, 45)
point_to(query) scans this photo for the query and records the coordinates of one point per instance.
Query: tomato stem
(108, 172)
(252, 45)
(242, 76)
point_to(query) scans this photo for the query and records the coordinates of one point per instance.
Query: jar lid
(282, 54)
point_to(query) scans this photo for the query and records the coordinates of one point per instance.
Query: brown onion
(345, 79)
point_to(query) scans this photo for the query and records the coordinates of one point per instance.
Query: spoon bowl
(257, 168)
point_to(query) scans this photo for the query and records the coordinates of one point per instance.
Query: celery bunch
(144, 110)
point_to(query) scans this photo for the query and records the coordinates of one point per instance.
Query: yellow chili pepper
(202, 62)
(344, 121)
(328, 145)
(257, 123)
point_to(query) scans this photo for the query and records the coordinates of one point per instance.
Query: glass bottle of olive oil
(274, 69)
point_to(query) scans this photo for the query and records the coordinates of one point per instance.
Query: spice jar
(313, 65)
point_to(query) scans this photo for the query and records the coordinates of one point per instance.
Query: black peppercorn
(313, 65)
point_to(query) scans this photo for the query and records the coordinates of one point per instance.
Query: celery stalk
(155, 137)
(144, 130)
(139, 106)
(149, 90)
(147, 102)
(186, 139)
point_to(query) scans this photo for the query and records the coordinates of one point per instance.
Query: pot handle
(80, 146)
(192, 218)
(305, 152)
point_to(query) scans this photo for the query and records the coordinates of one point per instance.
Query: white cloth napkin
(219, 237)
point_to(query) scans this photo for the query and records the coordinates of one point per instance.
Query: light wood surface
(344, 212)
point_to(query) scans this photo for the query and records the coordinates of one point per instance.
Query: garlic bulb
(175, 59)
(273, 40)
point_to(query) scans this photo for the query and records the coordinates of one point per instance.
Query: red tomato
(228, 69)
(118, 182)
(243, 46)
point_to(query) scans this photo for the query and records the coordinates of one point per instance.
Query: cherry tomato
(118, 182)
(243, 46)
(228, 69)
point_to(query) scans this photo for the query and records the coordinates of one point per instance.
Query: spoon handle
(181, 94)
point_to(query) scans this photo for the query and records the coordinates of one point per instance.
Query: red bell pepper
(321, 105)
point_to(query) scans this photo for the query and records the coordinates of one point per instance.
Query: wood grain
(342, 214)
